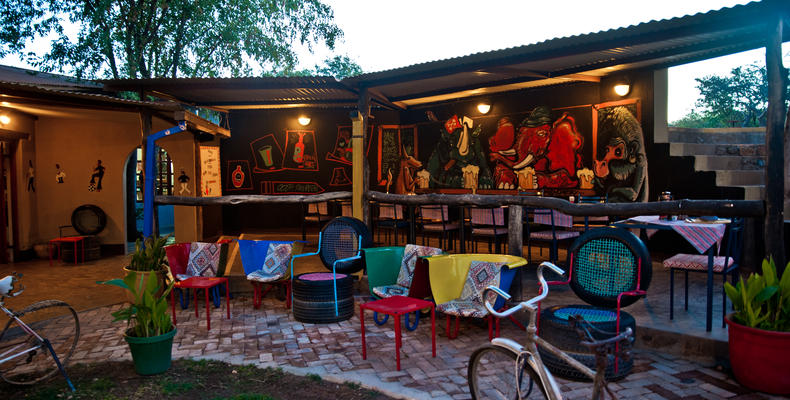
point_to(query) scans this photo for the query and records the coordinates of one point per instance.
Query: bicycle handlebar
(524, 304)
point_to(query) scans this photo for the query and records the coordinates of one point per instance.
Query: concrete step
(739, 178)
(752, 192)
(694, 149)
(717, 135)
(712, 163)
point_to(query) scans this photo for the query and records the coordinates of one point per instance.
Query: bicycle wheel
(51, 319)
(491, 375)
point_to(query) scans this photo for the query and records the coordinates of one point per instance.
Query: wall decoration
(553, 151)
(397, 152)
(459, 146)
(620, 162)
(300, 151)
(278, 187)
(238, 174)
(210, 185)
(96, 178)
(31, 177)
(267, 153)
(339, 177)
(343, 150)
(60, 175)
(183, 181)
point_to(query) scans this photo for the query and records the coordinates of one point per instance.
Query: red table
(397, 306)
(205, 283)
(69, 239)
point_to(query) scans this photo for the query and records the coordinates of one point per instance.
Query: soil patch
(187, 379)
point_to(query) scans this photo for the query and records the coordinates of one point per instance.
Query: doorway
(164, 221)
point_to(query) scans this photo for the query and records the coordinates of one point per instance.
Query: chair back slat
(488, 216)
(435, 212)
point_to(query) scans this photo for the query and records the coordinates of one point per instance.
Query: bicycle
(488, 365)
(33, 351)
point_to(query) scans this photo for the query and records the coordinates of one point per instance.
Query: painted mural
(458, 149)
(620, 164)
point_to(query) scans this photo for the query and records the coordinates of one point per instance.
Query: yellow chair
(448, 274)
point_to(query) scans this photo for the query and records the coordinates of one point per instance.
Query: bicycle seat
(7, 285)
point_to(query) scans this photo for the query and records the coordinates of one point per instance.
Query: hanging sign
(210, 182)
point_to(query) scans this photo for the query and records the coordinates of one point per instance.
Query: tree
(738, 98)
(167, 38)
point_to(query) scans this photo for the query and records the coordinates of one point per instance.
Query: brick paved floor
(271, 337)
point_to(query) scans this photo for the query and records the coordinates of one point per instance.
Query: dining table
(704, 235)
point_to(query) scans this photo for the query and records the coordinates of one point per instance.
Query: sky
(381, 35)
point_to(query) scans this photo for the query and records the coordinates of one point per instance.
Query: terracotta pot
(143, 275)
(759, 358)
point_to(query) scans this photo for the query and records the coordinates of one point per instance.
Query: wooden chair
(728, 263)
(391, 217)
(436, 219)
(488, 223)
(560, 230)
(317, 213)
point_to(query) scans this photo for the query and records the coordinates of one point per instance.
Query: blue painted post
(148, 194)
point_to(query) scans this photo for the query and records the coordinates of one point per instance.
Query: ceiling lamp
(484, 107)
(304, 120)
(5, 119)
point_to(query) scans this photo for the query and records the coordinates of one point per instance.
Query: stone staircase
(735, 155)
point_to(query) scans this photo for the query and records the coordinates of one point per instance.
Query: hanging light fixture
(622, 87)
(304, 120)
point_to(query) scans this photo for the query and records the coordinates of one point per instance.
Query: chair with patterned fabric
(558, 223)
(488, 223)
(265, 262)
(436, 219)
(206, 259)
(393, 271)
(457, 282)
(722, 264)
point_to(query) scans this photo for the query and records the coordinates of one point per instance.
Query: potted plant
(149, 258)
(759, 330)
(149, 329)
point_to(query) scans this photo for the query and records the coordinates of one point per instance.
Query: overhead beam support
(774, 144)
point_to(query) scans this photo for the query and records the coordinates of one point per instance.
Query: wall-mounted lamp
(304, 120)
(484, 107)
(622, 87)
(5, 119)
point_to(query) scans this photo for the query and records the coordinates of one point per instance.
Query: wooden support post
(515, 226)
(360, 172)
(774, 144)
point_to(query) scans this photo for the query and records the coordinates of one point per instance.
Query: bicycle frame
(533, 341)
(12, 353)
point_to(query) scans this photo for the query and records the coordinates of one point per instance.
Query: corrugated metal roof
(45, 79)
(587, 57)
(13, 90)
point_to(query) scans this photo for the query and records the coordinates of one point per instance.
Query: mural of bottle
(299, 150)
(237, 177)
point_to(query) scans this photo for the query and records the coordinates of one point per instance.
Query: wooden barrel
(92, 250)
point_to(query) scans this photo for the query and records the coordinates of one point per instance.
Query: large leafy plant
(147, 316)
(763, 300)
(149, 255)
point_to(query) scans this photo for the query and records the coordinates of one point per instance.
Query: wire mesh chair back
(340, 240)
(606, 262)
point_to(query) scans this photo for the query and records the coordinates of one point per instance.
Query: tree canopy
(170, 38)
(737, 99)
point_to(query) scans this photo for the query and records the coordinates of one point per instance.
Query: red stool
(397, 306)
(205, 283)
(69, 239)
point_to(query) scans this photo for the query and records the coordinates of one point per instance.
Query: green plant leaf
(765, 294)
(115, 282)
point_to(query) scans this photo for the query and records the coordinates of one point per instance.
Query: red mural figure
(501, 147)
(558, 169)
(552, 150)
